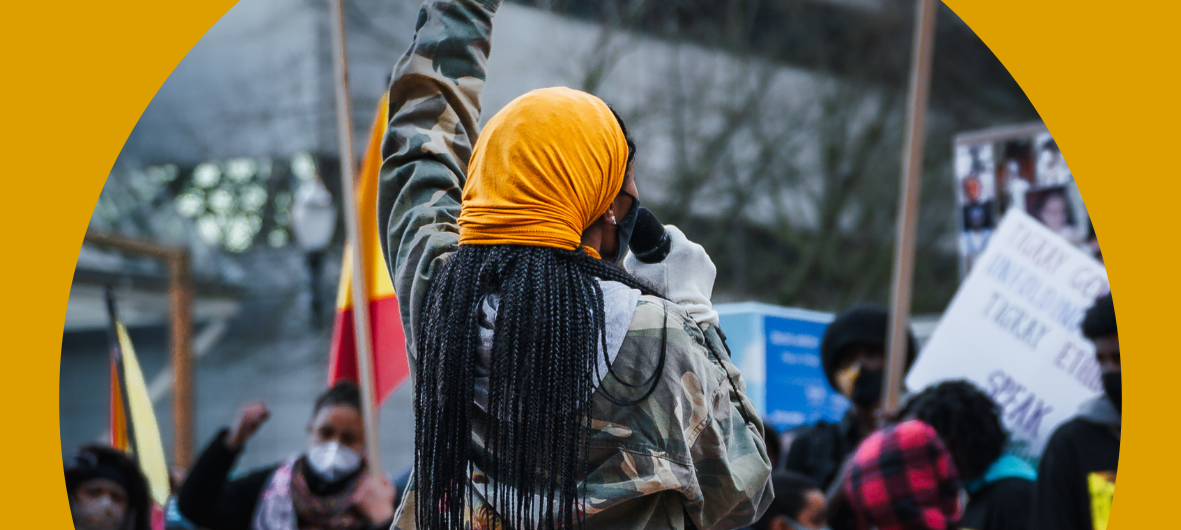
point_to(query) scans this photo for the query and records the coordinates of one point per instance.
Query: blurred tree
(769, 129)
(792, 184)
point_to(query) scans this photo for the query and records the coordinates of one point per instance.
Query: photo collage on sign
(1026, 172)
(976, 192)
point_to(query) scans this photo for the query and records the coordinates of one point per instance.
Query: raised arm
(210, 499)
(434, 109)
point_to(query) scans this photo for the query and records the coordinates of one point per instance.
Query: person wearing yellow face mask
(853, 355)
(553, 389)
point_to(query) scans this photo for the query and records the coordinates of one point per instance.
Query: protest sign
(1013, 329)
(1015, 167)
(778, 351)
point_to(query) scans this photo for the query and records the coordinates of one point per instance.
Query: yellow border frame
(79, 74)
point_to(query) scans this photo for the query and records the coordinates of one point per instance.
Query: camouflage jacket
(691, 455)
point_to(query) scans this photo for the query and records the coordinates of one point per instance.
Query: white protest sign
(1013, 330)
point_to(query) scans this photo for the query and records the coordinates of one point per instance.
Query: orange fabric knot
(544, 168)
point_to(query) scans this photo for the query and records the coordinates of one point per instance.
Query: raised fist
(250, 418)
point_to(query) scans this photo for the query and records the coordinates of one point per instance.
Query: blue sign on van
(778, 351)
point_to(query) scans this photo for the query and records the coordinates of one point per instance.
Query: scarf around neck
(288, 503)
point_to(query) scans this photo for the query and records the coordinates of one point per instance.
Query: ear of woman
(610, 233)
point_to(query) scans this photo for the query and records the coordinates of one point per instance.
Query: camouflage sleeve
(690, 436)
(433, 123)
(716, 343)
(730, 455)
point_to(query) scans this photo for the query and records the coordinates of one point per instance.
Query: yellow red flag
(390, 367)
(133, 422)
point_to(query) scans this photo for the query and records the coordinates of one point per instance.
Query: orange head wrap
(544, 168)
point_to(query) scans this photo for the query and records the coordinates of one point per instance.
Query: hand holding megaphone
(650, 242)
(681, 269)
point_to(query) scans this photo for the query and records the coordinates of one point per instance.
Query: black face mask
(1113, 386)
(867, 391)
(624, 228)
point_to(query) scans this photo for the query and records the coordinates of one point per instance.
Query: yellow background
(77, 75)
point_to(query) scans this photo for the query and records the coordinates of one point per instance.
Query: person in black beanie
(853, 355)
(1076, 475)
(106, 490)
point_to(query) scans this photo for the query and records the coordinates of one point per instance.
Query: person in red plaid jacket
(903, 478)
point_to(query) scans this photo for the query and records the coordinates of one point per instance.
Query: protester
(1076, 476)
(106, 490)
(852, 353)
(598, 404)
(798, 504)
(999, 486)
(903, 478)
(326, 487)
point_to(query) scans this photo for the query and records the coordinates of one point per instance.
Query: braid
(549, 332)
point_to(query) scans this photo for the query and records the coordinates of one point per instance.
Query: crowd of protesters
(563, 382)
(942, 464)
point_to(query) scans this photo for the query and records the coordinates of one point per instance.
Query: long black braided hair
(549, 331)
(545, 350)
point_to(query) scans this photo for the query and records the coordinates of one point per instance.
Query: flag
(133, 423)
(390, 367)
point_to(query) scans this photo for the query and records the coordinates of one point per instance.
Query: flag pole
(118, 378)
(907, 224)
(348, 183)
(180, 290)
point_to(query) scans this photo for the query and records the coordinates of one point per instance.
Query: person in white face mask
(106, 490)
(327, 487)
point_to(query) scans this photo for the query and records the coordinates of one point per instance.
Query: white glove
(686, 276)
